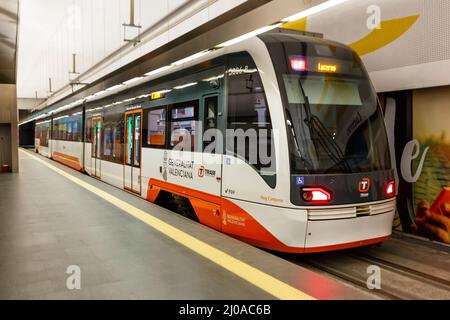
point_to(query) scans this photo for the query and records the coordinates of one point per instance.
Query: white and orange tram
(277, 140)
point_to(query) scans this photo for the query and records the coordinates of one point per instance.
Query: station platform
(52, 217)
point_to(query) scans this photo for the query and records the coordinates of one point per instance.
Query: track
(408, 271)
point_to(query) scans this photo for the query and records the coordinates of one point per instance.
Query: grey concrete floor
(48, 223)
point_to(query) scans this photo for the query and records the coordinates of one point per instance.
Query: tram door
(133, 149)
(97, 124)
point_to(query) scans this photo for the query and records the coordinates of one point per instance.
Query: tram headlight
(390, 189)
(316, 194)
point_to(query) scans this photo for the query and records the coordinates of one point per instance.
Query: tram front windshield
(334, 122)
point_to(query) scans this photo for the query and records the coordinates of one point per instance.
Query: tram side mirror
(215, 84)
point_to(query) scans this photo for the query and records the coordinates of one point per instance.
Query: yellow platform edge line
(258, 278)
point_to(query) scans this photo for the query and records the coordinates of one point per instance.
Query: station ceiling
(8, 40)
(52, 30)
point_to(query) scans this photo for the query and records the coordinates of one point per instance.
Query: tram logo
(364, 185)
(201, 171)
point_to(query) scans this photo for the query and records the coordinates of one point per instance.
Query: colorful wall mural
(431, 190)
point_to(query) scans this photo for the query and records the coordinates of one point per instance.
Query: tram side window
(54, 131)
(75, 131)
(249, 134)
(37, 131)
(156, 134)
(69, 131)
(112, 140)
(88, 130)
(183, 132)
(63, 131)
(117, 145)
(44, 132)
(76, 128)
(107, 142)
(210, 117)
(57, 135)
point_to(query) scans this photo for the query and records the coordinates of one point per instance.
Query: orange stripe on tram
(223, 215)
(69, 161)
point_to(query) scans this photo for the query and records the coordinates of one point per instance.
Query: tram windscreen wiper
(290, 124)
(320, 135)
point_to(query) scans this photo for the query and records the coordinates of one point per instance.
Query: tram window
(156, 127)
(137, 139)
(69, 131)
(56, 132)
(88, 130)
(59, 130)
(63, 130)
(75, 130)
(44, 136)
(107, 142)
(183, 112)
(249, 122)
(183, 131)
(210, 113)
(44, 131)
(37, 134)
(117, 143)
(210, 118)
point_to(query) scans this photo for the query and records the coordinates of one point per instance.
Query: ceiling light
(159, 70)
(132, 80)
(99, 93)
(190, 58)
(114, 87)
(66, 116)
(214, 78)
(161, 91)
(308, 12)
(248, 35)
(186, 85)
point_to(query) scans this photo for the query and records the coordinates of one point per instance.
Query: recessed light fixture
(248, 35)
(99, 93)
(162, 91)
(159, 70)
(185, 85)
(190, 58)
(214, 78)
(117, 86)
(132, 80)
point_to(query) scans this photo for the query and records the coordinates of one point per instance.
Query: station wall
(405, 45)
(418, 126)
